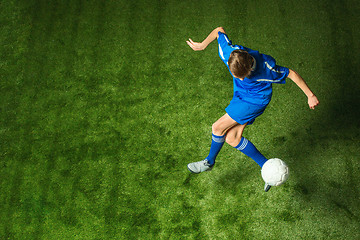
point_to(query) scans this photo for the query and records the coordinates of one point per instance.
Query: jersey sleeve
(278, 74)
(225, 47)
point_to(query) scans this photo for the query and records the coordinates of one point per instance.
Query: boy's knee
(233, 138)
(218, 129)
(215, 128)
(230, 138)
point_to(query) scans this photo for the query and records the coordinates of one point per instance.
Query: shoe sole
(267, 188)
(198, 172)
(192, 171)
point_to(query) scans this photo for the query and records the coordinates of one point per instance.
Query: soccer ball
(275, 172)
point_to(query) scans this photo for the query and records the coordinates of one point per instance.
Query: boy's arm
(197, 46)
(300, 82)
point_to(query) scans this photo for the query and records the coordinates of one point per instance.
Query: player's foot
(198, 167)
(267, 187)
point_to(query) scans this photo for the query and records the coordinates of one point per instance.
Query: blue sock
(246, 147)
(216, 145)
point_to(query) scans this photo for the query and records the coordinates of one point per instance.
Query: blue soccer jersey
(257, 88)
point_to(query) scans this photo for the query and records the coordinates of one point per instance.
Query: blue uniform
(253, 94)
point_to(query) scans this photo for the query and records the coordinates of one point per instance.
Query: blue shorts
(243, 112)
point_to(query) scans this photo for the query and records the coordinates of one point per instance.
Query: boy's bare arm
(197, 46)
(300, 82)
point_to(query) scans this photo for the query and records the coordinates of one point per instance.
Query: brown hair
(240, 63)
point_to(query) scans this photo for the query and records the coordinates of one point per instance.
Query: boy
(253, 75)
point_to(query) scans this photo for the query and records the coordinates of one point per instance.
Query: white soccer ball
(275, 172)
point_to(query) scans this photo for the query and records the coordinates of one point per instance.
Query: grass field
(103, 105)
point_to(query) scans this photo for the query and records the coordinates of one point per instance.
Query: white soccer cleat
(201, 166)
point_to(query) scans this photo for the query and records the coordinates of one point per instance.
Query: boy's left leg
(234, 138)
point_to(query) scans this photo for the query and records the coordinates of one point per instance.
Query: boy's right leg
(219, 129)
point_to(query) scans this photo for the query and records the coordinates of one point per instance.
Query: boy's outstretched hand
(313, 101)
(196, 46)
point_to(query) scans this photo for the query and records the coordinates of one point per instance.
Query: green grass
(103, 104)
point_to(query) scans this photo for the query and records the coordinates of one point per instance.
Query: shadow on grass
(231, 180)
(336, 133)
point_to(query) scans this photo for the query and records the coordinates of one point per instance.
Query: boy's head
(240, 63)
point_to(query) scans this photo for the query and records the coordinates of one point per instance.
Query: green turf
(103, 104)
